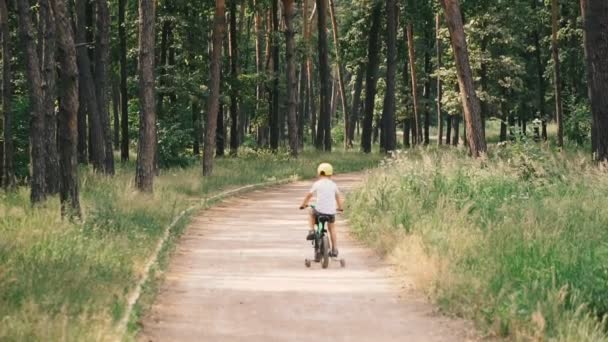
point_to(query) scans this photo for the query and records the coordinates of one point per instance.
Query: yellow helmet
(325, 169)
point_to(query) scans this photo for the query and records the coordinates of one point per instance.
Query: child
(328, 202)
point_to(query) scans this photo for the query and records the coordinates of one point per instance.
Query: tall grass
(517, 242)
(68, 281)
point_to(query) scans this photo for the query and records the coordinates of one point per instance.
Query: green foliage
(577, 125)
(516, 242)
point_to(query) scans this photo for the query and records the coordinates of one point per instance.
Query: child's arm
(340, 201)
(306, 200)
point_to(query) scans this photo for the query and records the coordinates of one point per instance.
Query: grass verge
(517, 242)
(67, 281)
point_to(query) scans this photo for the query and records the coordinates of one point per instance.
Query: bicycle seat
(323, 218)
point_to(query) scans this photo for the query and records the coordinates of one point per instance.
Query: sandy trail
(238, 274)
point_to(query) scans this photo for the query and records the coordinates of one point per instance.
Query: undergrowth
(518, 241)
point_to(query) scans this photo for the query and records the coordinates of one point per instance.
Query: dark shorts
(332, 218)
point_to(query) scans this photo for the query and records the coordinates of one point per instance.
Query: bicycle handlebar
(312, 206)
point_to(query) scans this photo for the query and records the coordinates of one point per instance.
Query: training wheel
(307, 262)
(342, 263)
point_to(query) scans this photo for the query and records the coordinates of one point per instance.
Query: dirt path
(238, 275)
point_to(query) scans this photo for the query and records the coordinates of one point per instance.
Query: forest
(104, 100)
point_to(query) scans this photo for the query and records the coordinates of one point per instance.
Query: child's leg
(333, 234)
(311, 220)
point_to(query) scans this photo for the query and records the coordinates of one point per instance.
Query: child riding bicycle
(328, 202)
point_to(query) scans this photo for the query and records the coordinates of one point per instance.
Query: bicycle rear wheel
(325, 251)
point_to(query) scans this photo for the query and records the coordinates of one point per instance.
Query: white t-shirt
(325, 191)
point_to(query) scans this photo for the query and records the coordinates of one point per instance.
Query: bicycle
(321, 243)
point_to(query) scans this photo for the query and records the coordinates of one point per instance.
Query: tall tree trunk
(595, 18)
(8, 171)
(309, 72)
(439, 85)
(475, 138)
(234, 76)
(406, 131)
(124, 96)
(345, 110)
(213, 103)
(414, 83)
(49, 88)
(427, 96)
(354, 118)
(34, 80)
(68, 112)
(268, 84)
(302, 104)
(146, 146)
(274, 115)
(162, 62)
(82, 124)
(312, 103)
(557, 82)
(196, 127)
(289, 14)
(371, 77)
(448, 130)
(96, 141)
(323, 135)
(220, 132)
(540, 68)
(258, 56)
(484, 85)
(388, 112)
(116, 112)
(102, 53)
(456, 127)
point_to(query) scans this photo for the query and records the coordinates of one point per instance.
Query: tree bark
(274, 114)
(124, 96)
(303, 104)
(541, 80)
(213, 103)
(8, 171)
(439, 84)
(456, 127)
(289, 14)
(340, 76)
(388, 112)
(557, 82)
(324, 134)
(309, 72)
(414, 83)
(68, 112)
(371, 77)
(220, 132)
(427, 96)
(47, 45)
(82, 124)
(595, 19)
(354, 118)
(448, 130)
(406, 132)
(146, 146)
(96, 141)
(196, 127)
(116, 112)
(258, 56)
(470, 102)
(102, 53)
(34, 80)
(234, 75)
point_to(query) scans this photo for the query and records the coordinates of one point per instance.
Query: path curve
(238, 274)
